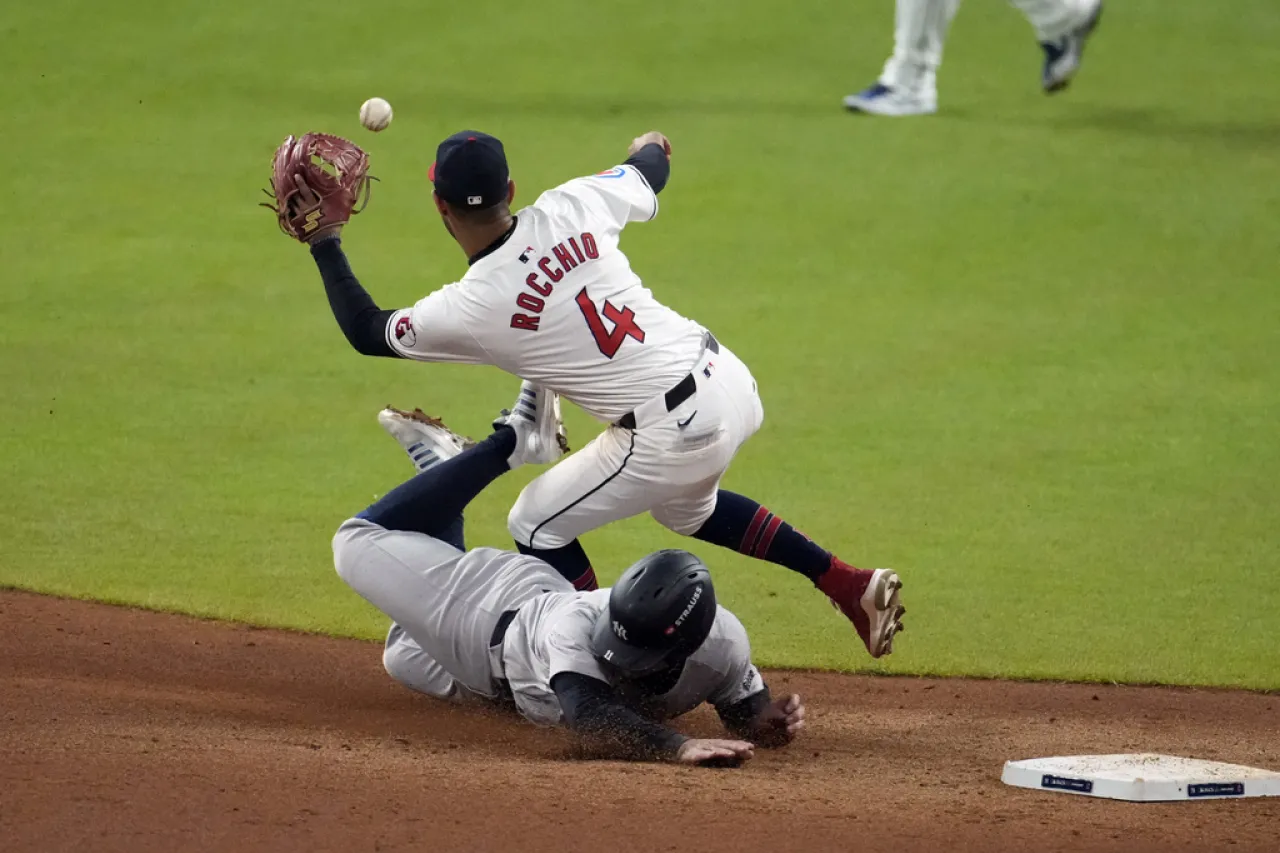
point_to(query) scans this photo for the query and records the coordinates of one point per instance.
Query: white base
(1142, 777)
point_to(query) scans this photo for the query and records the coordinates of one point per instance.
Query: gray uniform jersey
(446, 603)
(551, 634)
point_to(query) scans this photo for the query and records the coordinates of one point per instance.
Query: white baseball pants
(670, 465)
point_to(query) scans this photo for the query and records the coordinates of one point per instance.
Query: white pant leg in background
(1053, 19)
(662, 467)
(445, 603)
(920, 30)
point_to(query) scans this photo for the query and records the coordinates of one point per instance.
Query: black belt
(499, 634)
(684, 389)
(500, 630)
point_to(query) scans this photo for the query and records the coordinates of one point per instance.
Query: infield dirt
(127, 730)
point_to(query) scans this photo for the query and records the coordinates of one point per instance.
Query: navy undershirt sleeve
(592, 710)
(652, 162)
(359, 317)
(740, 717)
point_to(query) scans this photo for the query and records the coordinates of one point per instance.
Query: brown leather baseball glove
(317, 182)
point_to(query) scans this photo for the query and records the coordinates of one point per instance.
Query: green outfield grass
(1026, 352)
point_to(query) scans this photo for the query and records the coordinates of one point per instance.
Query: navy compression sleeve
(359, 317)
(740, 717)
(652, 162)
(591, 710)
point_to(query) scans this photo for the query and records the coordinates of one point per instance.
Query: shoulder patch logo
(615, 172)
(405, 333)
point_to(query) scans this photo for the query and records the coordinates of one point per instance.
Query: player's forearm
(619, 732)
(742, 719)
(359, 317)
(652, 162)
(606, 726)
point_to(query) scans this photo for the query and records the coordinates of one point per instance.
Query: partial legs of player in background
(908, 84)
(1062, 30)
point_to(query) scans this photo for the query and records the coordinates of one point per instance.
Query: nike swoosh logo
(684, 423)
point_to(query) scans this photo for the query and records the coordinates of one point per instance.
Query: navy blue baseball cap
(470, 170)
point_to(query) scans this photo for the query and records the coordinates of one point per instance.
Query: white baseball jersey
(558, 304)
(551, 634)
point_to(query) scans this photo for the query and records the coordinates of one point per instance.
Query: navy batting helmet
(660, 612)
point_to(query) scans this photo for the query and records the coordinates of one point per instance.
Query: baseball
(375, 114)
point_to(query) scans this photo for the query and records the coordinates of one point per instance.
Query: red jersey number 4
(623, 319)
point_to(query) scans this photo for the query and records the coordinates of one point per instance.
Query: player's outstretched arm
(609, 728)
(357, 314)
(359, 317)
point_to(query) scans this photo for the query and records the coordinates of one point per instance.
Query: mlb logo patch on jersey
(615, 172)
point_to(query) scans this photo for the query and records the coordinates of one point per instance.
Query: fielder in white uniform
(909, 83)
(503, 627)
(550, 297)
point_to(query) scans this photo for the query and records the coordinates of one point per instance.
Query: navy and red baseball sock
(743, 525)
(738, 523)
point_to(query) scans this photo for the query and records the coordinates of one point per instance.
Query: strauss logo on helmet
(688, 608)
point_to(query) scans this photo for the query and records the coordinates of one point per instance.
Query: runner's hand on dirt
(713, 752)
(780, 721)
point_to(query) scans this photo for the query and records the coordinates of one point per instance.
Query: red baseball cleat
(869, 599)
